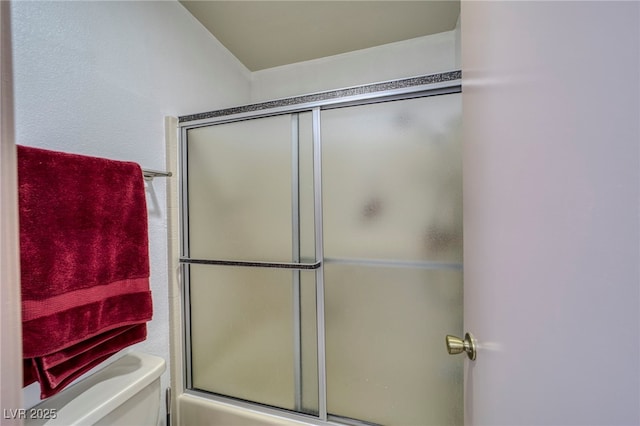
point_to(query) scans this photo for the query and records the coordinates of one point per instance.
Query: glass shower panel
(242, 338)
(306, 190)
(251, 198)
(240, 190)
(392, 207)
(392, 179)
(386, 359)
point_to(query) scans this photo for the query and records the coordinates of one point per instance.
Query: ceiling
(265, 34)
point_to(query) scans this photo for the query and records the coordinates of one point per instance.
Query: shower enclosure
(322, 254)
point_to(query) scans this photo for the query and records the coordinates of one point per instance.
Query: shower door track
(427, 85)
(416, 87)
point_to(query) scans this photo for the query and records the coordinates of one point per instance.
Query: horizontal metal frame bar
(313, 98)
(253, 264)
(329, 95)
(349, 421)
(403, 96)
(390, 263)
(432, 89)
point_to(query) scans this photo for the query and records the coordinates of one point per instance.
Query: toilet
(124, 393)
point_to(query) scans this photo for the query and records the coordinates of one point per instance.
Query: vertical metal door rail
(317, 187)
(184, 252)
(295, 233)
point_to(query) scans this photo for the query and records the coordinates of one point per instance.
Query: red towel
(84, 263)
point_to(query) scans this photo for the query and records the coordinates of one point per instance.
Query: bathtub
(196, 410)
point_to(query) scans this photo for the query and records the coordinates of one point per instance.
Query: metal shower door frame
(425, 86)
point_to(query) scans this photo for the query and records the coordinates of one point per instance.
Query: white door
(551, 119)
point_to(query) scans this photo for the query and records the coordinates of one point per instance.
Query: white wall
(97, 78)
(409, 58)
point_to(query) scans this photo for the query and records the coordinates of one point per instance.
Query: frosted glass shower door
(251, 203)
(323, 260)
(392, 207)
(241, 189)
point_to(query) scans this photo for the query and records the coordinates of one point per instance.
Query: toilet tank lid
(92, 398)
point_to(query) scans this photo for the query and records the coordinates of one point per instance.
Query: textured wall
(97, 78)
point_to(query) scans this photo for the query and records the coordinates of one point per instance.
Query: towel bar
(150, 174)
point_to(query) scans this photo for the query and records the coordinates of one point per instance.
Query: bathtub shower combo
(322, 254)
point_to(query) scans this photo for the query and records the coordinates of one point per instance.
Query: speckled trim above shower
(333, 94)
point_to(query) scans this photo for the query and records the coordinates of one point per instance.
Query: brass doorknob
(456, 345)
